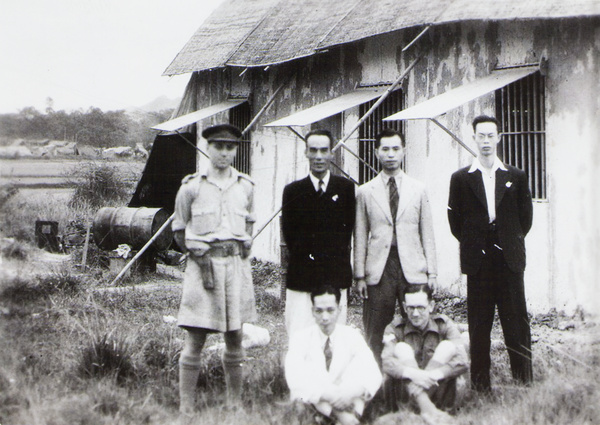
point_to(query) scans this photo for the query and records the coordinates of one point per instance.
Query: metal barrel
(132, 226)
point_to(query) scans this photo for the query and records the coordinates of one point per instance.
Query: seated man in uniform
(329, 366)
(422, 357)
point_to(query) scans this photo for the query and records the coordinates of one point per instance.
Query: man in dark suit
(317, 222)
(490, 212)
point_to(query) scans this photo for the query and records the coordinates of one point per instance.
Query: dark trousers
(496, 285)
(396, 394)
(379, 308)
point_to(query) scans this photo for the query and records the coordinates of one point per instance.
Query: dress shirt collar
(323, 337)
(478, 166)
(386, 178)
(315, 181)
(233, 177)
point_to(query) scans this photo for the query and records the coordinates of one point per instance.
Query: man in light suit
(393, 239)
(490, 212)
(317, 221)
(329, 367)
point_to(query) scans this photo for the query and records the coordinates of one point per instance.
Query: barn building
(288, 66)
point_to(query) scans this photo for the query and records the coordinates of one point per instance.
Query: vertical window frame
(520, 108)
(241, 116)
(372, 126)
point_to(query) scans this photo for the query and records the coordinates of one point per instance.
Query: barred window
(240, 116)
(520, 110)
(372, 126)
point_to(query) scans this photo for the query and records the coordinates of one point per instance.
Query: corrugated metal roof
(454, 98)
(328, 108)
(265, 32)
(221, 34)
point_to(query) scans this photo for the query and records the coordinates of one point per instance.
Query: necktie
(321, 190)
(328, 353)
(394, 198)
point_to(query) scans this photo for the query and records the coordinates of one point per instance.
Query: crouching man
(329, 367)
(422, 357)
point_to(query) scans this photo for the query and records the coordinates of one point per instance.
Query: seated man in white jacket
(329, 366)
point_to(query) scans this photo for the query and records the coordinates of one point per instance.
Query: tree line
(93, 127)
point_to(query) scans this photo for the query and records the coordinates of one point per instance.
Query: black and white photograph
(379, 212)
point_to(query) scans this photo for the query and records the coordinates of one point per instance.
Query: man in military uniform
(422, 357)
(213, 224)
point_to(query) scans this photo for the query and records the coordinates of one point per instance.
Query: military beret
(222, 133)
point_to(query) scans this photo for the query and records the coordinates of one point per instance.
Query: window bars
(240, 116)
(520, 109)
(373, 125)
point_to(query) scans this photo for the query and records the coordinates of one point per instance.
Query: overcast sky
(105, 53)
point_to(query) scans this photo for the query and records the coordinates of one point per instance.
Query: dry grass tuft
(106, 355)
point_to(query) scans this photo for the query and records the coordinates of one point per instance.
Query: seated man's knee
(444, 352)
(403, 351)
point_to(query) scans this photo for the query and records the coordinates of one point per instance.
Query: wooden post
(86, 245)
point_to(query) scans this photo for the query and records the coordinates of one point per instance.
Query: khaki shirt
(423, 342)
(214, 211)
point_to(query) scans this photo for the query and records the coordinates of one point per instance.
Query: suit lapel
(406, 193)
(502, 178)
(381, 197)
(331, 187)
(307, 186)
(476, 182)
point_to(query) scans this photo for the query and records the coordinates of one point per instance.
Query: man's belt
(492, 226)
(224, 249)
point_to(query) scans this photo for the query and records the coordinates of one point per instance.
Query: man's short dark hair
(327, 289)
(321, 132)
(388, 132)
(416, 288)
(485, 118)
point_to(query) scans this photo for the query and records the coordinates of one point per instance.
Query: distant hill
(159, 104)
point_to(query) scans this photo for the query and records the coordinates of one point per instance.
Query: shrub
(11, 248)
(21, 290)
(61, 280)
(266, 274)
(99, 184)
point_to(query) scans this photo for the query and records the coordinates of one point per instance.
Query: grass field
(75, 351)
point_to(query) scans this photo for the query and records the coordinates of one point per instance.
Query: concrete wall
(563, 246)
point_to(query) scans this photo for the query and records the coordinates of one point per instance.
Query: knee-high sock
(189, 370)
(233, 362)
